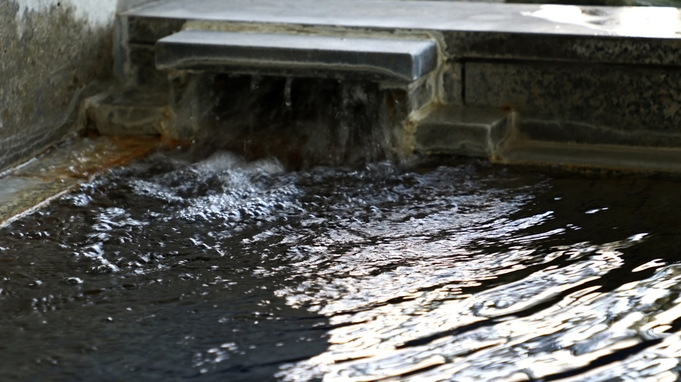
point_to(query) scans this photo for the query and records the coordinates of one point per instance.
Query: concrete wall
(124, 5)
(51, 52)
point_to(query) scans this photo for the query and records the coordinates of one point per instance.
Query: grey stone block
(307, 55)
(135, 112)
(558, 47)
(610, 157)
(477, 132)
(573, 75)
(596, 104)
(452, 83)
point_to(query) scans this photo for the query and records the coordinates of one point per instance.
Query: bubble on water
(73, 281)
(76, 200)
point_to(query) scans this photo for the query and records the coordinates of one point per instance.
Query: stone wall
(51, 54)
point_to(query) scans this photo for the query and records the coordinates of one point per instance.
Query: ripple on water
(222, 269)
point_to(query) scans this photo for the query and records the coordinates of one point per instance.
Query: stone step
(467, 131)
(403, 60)
(609, 157)
(130, 112)
(606, 34)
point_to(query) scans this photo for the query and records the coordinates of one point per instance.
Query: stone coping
(399, 59)
(446, 16)
(25, 189)
(625, 159)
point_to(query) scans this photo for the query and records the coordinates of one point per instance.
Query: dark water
(223, 270)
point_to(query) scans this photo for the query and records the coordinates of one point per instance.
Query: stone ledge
(133, 112)
(428, 15)
(629, 35)
(585, 103)
(579, 79)
(476, 132)
(25, 189)
(307, 55)
(609, 157)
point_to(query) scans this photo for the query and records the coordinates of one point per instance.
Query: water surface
(225, 270)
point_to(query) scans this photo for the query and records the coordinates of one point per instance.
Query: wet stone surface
(131, 112)
(468, 131)
(301, 121)
(63, 168)
(221, 269)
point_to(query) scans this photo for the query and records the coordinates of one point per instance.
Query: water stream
(226, 270)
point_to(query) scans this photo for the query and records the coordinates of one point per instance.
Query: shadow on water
(149, 274)
(222, 269)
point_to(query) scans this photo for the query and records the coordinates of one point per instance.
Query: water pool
(225, 270)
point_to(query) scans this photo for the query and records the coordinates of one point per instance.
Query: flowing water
(223, 270)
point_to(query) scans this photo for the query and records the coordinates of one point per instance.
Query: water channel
(225, 270)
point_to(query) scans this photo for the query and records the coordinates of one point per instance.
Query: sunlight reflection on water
(228, 270)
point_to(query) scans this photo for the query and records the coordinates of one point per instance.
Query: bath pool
(223, 270)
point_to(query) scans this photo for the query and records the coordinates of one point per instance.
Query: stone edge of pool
(60, 170)
(576, 87)
(583, 86)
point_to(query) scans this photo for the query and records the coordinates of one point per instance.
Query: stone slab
(609, 157)
(631, 35)
(400, 59)
(48, 57)
(20, 196)
(476, 132)
(28, 188)
(594, 104)
(85, 158)
(149, 30)
(135, 112)
(431, 15)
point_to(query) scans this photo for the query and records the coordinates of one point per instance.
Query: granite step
(402, 60)
(466, 131)
(592, 156)
(130, 112)
(27, 188)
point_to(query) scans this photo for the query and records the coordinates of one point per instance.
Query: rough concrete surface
(49, 52)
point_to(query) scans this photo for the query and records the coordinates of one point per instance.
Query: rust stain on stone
(121, 153)
(62, 169)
